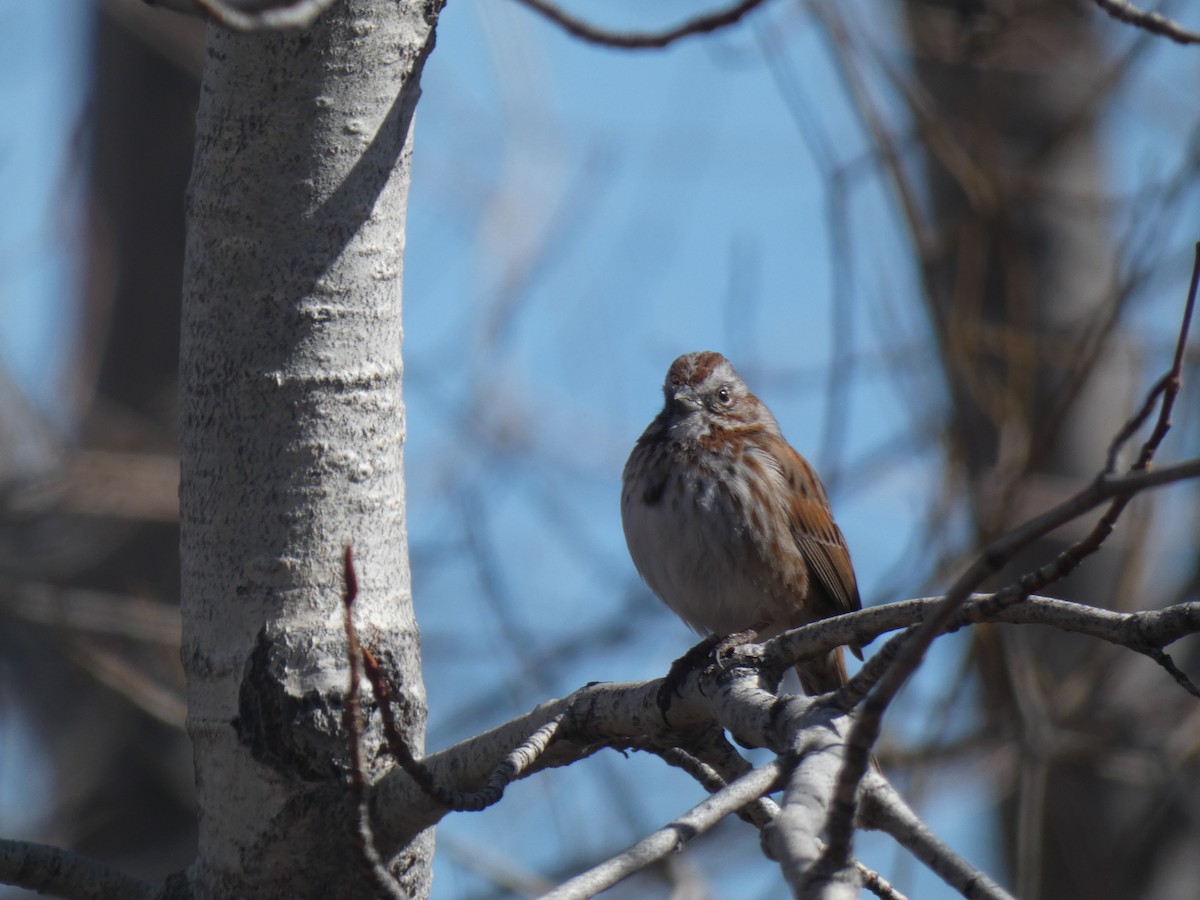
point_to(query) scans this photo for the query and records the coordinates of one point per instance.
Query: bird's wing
(819, 539)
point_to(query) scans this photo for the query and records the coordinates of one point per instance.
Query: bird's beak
(685, 399)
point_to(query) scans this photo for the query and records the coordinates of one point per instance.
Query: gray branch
(252, 15)
(627, 714)
(794, 836)
(61, 873)
(883, 809)
(1138, 631)
(1155, 23)
(697, 820)
(641, 40)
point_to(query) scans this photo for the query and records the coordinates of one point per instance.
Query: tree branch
(885, 810)
(362, 661)
(794, 836)
(640, 40)
(733, 697)
(1139, 631)
(364, 835)
(716, 768)
(252, 15)
(61, 873)
(627, 714)
(908, 650)
(1124, 11)
(697, 820)
(714, 763)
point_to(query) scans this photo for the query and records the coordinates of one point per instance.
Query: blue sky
(42, 68)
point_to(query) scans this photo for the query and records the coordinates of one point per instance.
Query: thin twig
(352, 719)
(714, 763)
(514, 765)
(699, 819)
(511, 768)
(641, 40)
(91, 612)
(910, 651)
(877, 884)
(1168, 386)
(885, 810)
(1167, 389)
(1124, 11)
(283, 14)
(1165, 662)
(787, 648)
(1147, 632)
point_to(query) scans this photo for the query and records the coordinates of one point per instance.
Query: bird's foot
(707, 655)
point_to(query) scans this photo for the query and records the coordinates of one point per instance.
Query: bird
(728, 524)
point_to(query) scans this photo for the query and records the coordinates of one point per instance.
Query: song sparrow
(729, 525)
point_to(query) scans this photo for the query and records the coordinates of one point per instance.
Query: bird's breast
(687, 532)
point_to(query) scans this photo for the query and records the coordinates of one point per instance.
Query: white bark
(292, 437)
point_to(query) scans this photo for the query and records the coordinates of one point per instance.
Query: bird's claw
(708, 656)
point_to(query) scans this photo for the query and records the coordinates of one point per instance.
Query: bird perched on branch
(730, 526)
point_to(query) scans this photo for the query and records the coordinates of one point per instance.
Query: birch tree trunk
(292, 438)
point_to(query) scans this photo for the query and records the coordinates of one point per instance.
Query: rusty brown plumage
(727, 523)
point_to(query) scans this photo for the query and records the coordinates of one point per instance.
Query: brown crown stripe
(694, 368)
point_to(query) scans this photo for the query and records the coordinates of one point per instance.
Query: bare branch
(1147, 632)
(1124, 11)
(51, 870)
(714, 763)
(1167, 387)
(402, 806)
(514, 765)
(877, 884)
(793, 837)
(119, 673)
(1164, 660)
(762, 811)
(908, 650)
(91, 612)
(699, 819)
(601, 715)
(1143, 632)
(252, 15)
(640, 40)
(883, 809)
(625, 713)
(352, 719)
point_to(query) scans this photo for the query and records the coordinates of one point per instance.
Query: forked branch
(907, 651)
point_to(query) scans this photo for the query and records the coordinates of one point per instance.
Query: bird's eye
(724, 397)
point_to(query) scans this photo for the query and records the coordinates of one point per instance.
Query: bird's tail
(824, 674)
(819, 676)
